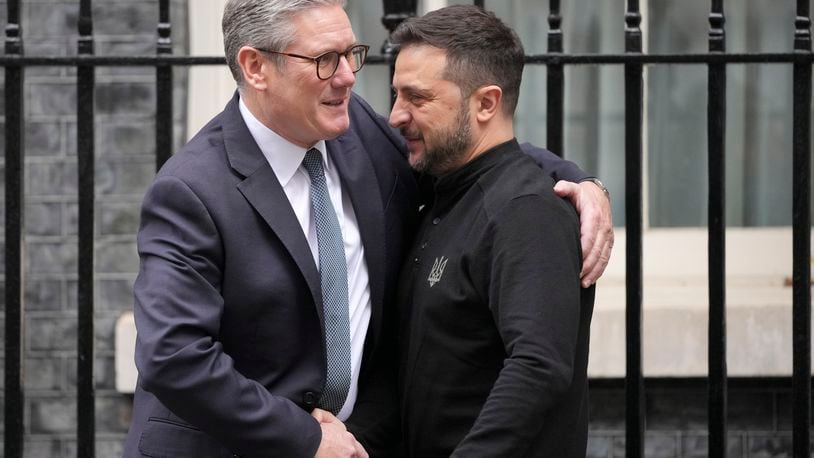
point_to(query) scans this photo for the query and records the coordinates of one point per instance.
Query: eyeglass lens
(329, 62)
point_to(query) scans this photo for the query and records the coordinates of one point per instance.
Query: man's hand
(336, 440)
(595, 226)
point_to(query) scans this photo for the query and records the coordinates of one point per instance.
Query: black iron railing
(14, 153)
(716, 128)
(634, 95)
(86, 82)
(717, 59)
(801, 206)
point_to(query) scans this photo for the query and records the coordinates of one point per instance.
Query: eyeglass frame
(316, 59)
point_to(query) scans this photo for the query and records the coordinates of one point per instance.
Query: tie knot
(313, 163)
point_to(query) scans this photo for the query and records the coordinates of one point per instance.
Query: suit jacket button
(309, 398)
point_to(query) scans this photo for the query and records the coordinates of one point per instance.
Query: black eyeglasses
(328, 62)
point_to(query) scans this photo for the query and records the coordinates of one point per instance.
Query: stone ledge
(675, 298)
(674, 340)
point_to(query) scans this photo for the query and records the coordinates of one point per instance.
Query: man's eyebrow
(411, 89)
(340, 51)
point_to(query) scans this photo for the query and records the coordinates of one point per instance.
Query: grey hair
(263, 24)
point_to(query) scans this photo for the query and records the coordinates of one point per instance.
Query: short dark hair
(480, 48)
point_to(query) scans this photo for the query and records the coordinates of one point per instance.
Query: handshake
(336, 441)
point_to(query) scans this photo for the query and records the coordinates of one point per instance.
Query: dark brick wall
(758, 417)
(125, 158)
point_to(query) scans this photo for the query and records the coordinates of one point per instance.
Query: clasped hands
(337, 441)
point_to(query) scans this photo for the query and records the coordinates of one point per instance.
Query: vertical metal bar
(801, 193)
(555, 82)
(716, 137)
(14, 155)
(395, 11)
(85, 403)
(634, 382)
(164, 89)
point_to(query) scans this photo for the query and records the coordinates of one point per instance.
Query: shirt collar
(283, 156)
(451, 186)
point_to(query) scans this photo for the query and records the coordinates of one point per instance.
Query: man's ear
(252, 64)
(488, 101)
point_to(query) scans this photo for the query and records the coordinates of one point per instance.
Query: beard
(452, 143)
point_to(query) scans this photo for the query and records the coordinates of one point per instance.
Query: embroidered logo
(437, 270)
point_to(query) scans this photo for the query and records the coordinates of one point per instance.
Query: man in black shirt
(494, 324)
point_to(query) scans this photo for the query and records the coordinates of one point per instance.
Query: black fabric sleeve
(533, 288)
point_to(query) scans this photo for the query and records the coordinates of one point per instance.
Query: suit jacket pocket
(167, 439)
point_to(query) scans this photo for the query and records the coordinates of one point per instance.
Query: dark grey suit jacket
(228, 306)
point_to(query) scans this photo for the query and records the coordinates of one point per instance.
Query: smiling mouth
(335, 103)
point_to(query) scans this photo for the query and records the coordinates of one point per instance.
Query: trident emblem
(437, 270)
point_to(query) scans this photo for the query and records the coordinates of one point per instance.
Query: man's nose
(398, 115)
(344, 76)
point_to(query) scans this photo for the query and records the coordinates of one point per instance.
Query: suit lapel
(359, 181)
(264, 192)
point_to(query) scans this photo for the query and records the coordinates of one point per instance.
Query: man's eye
(415, 98)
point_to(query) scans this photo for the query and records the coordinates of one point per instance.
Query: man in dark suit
(270, 247)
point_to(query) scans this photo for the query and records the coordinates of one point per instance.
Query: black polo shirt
(494, 325)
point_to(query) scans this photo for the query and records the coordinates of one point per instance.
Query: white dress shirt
(285, 159)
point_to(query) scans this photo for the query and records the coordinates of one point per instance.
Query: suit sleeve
(178, 312)
(557, 167)
(533, 290)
